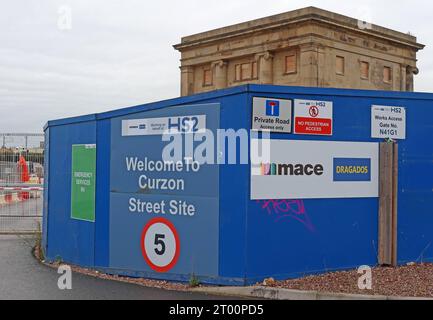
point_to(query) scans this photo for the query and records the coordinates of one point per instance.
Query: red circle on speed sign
(314, 111)
(160, 244)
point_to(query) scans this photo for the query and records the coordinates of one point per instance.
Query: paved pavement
(22, 277)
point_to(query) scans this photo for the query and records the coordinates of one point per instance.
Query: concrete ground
(23, 277)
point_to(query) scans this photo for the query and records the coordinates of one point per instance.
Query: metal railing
(20, 212)
(21, 182)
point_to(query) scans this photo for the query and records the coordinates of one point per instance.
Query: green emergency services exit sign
(83, 182)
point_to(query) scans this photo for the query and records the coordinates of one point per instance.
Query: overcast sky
(119, 53)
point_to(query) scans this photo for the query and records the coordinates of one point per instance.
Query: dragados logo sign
(297, 169)
(350, 169)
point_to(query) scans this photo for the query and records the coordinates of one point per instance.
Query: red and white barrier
(9, 198)
(20, 194)
(21, 189)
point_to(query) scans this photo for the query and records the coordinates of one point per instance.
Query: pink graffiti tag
(282, 209)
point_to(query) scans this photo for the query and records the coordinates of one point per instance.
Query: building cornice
(284, 20)
(309, 39)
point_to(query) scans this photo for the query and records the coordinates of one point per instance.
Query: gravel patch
(412, 280)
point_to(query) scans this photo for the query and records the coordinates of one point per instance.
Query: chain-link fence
(21, 182)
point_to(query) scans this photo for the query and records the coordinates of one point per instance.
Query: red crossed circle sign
(314, 111)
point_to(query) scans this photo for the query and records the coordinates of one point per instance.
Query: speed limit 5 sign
(160, 244)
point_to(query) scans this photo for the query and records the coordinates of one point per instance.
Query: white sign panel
(271, 114)
(165, 125)
(316, 170)
(388, 122)
(313, 117)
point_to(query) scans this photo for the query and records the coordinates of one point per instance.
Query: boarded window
(365, 70)
(291, 64)
(387, 74)
(339, 65)
(207, 77)
(246, 71)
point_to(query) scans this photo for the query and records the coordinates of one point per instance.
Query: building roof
(214, 96)
(297, 16)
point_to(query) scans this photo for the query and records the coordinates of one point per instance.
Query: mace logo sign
(274, 115)
(313, 117)
(290, 169)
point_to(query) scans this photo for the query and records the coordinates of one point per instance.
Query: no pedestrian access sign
(313, 117)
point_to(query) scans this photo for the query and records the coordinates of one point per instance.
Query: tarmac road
(23, 277)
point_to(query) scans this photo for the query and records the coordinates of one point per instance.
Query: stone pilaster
(309, 63)
(220, 74)
(266, 65)
(403, 72)
(187, 80)
(410, 72)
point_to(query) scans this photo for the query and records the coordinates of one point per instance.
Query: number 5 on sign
(160, 244)
(159, 241)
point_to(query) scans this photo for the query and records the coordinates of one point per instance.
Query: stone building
(306, 47)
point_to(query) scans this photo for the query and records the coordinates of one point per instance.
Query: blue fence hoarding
(170, 223)
(143, 188)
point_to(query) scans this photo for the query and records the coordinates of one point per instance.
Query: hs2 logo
(183, 124)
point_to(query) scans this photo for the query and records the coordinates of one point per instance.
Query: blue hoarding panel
(145, 187)
(198, 233)
(234, 186)
(102, 227)
(68, 240)
(294, 237)
(46, 193)
(291, 238)
(415, 197)
(222, 235)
